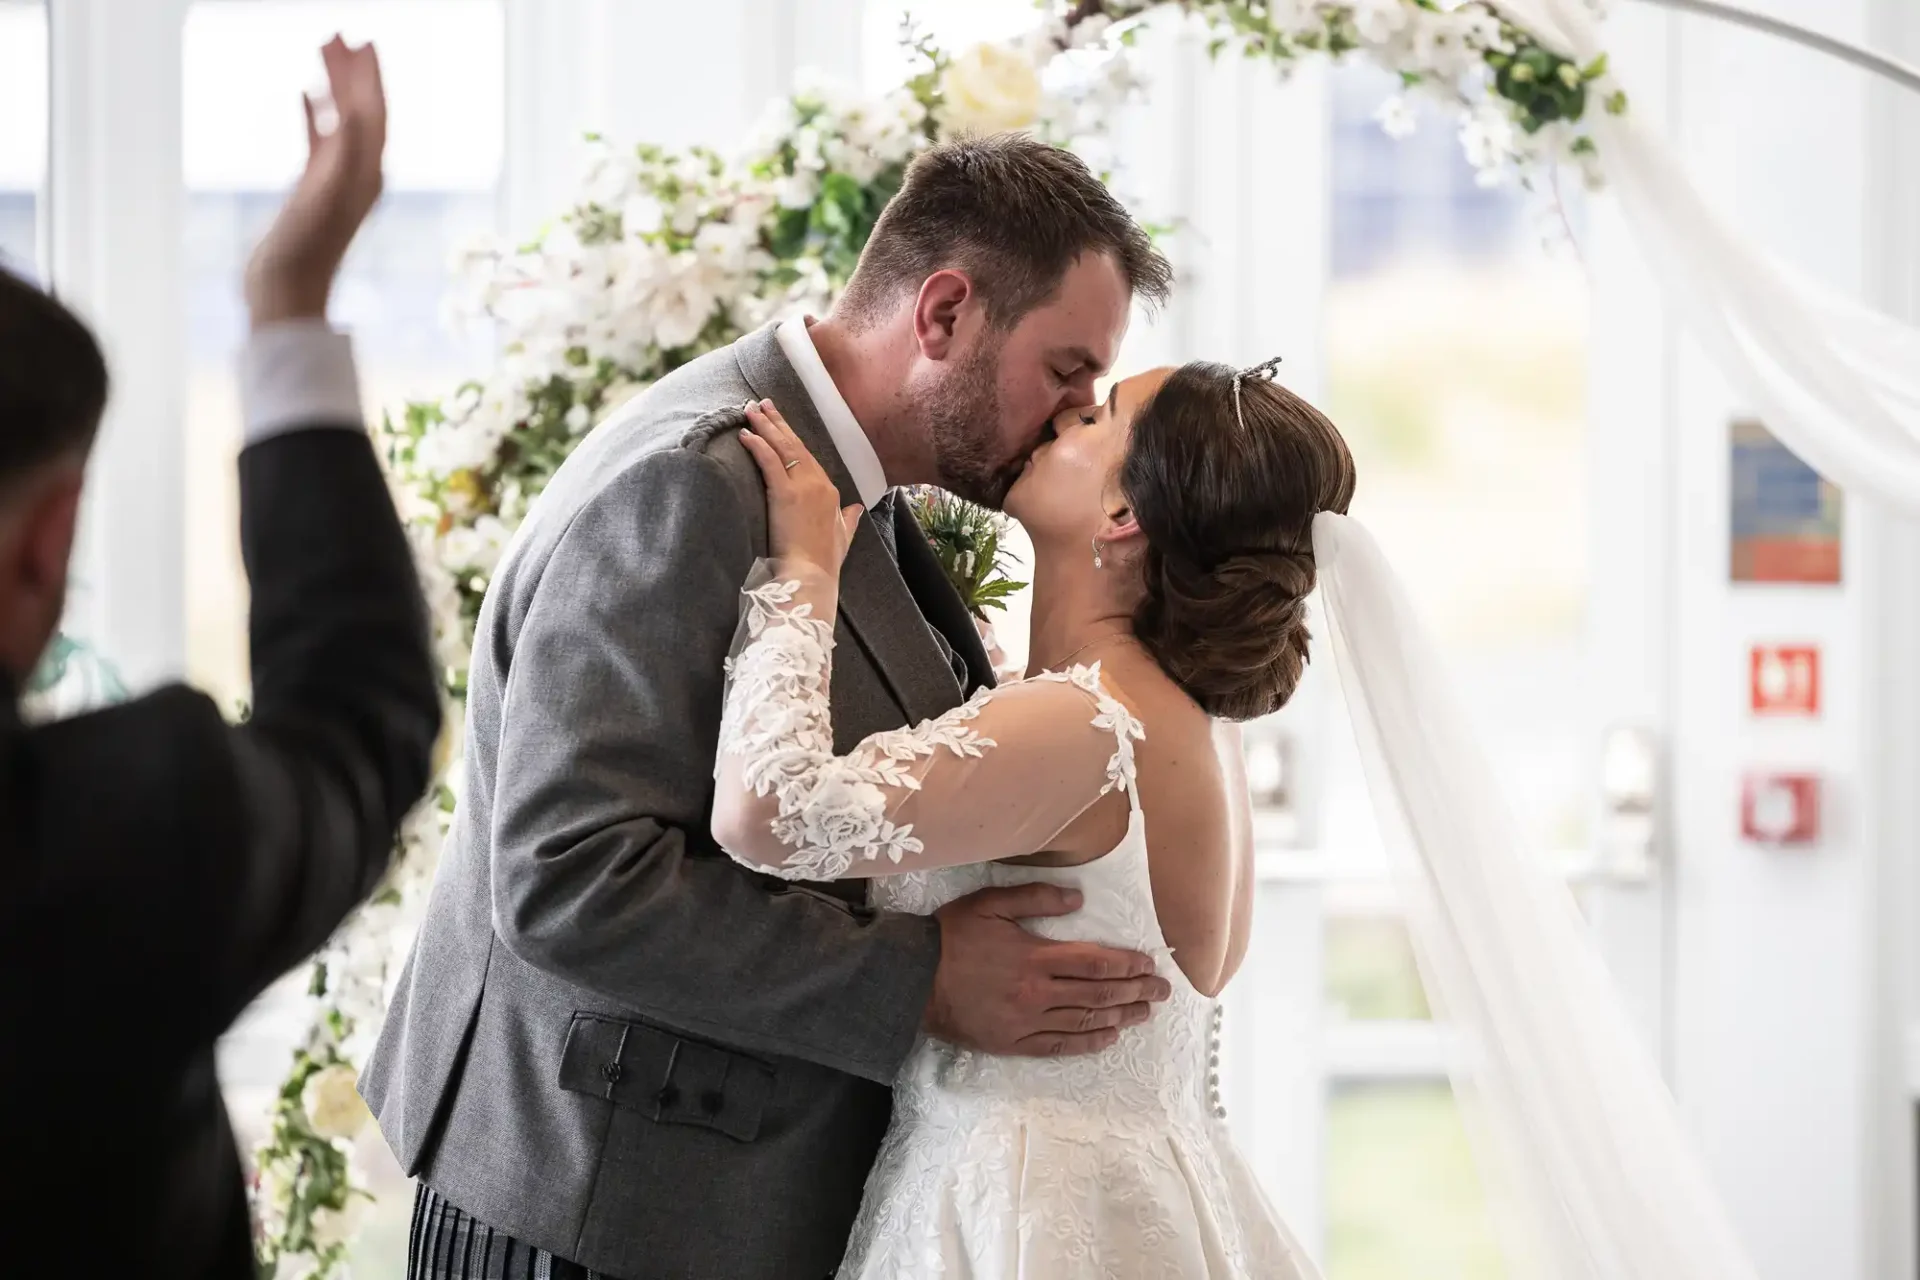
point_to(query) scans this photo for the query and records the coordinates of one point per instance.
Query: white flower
(641, 215)
(1397, 118)
(856, 161)
(1487, 138)
(990, 89)
(798, 191)
(1045, 40)
(1439, 47)
(461, 404)
(807, 149)
(477, 548)
(332, 1102)
(1378, 21)
(1293, 16)
(723, 246)
(775, 123)
(456, 446)
(682, 301)
(295, 1266)
(579, 418)
(338, 1226)
(686, 214)
(611, 176)
(275, 1185)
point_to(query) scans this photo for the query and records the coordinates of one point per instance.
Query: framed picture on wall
(1785, 515)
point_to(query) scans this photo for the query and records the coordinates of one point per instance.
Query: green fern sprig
(968, 541)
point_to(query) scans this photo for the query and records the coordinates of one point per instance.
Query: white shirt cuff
(296, 374)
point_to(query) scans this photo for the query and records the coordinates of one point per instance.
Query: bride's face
(1071, 482)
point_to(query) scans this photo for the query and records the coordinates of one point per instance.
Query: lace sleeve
(999, 776)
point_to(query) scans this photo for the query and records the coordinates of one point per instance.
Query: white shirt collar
(863, 464)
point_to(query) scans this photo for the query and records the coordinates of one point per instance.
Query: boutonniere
(967, 540)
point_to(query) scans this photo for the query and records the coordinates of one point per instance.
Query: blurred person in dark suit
(158, 866)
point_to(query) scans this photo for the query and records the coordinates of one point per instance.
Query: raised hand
(292, 270)
(805, 522)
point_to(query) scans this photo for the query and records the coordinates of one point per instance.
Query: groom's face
(1002, 395)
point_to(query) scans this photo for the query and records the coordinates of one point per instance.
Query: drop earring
(1097, 562)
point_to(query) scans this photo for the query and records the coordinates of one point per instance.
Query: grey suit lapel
(873, 597)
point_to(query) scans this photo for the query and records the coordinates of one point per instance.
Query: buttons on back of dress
(1215, 1103)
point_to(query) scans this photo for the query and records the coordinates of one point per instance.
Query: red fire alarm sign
(1780, 808)
(1785, 680)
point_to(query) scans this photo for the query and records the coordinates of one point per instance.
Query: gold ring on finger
(794, 463)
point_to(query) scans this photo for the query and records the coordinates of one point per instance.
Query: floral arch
(669, 254)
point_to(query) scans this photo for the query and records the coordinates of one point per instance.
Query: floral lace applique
(836, 810)
(833, 809)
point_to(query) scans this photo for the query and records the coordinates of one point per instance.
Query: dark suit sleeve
(345, 706)
(174, 864)
(604, 870)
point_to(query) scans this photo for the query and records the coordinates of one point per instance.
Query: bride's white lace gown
(1116, 1164)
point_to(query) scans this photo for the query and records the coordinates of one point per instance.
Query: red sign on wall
(1785, 680)
(1780, 809)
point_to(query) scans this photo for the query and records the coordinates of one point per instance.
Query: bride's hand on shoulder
(805, 521)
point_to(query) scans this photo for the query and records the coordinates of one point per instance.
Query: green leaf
(1595, 69)
(789, 235)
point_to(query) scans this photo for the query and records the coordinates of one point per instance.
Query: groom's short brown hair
(1013, 213)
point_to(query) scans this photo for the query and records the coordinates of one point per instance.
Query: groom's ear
(937, 312)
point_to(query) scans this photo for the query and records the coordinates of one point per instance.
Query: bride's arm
(1000, 776)
(1233, 767)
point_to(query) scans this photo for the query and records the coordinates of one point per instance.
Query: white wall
(646, 70)
(1780, 1041)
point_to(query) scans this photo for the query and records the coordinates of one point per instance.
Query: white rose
(333, 1104)
(338, 1226)
(990, 89)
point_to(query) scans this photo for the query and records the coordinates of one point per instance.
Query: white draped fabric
(1837, 381)
(1591, 1174)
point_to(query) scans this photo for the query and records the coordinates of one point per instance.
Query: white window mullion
(113, 218)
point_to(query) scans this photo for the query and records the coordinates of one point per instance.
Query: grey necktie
(882, 516)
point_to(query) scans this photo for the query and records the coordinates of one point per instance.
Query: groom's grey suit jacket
(610, 1041)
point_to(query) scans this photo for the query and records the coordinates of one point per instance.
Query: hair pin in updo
(1264, 370)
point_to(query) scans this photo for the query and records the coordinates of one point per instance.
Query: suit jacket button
(668, 1096)
(610, 1073)
(711, 1101)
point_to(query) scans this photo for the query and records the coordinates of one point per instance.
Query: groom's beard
(962, 418)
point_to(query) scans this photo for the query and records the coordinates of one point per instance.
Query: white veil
(1575, 1134)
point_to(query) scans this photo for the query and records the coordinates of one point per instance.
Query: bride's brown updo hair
(1226, 502)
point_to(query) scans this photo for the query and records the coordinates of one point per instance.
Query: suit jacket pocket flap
(665, 1076)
